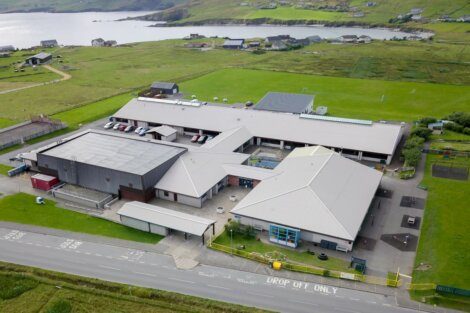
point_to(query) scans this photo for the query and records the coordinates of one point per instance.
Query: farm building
(49, 43)
(357, 139)
(235, 44)
(128, 167)
(316, 196)
(286, 102)
(7, 48)
(39, 59)
(164, 88)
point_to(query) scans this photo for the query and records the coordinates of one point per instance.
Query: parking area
(390, 232)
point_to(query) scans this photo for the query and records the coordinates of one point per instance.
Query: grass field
(444, 233)
(4, 169)
(31, 290)
(359, 98)
(22, 208)
(252, 245)
(99, 74)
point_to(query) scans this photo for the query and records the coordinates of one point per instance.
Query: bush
(422, 132)
(233, 226)
(461, 118)
(425, 121)
(454, 127)
(412, 156)
(413, 142)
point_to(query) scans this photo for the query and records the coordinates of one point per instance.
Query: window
(284, 235)
(166, 193)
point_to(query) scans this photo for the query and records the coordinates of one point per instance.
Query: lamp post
(231, 241)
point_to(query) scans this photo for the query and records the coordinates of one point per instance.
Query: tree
(412, 156)
(422, 132)
(425, 121)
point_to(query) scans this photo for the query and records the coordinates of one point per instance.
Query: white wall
(304, 235)
(191, 201)
(159, 230)
(134, 223)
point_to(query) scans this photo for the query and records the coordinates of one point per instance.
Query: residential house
(348, 38)
(364, 39)
(98, 42)
(8, 48)
(49, 43)
(110, 43)
(235, 44)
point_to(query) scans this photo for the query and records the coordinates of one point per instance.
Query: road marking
(372, 302)
(181, 280)
(14, 235)
(386, 304)
(341, 297)
(109, 267)
(145, 274)
(218, 287)
(97, 254)
(354, 299)
(304, 302)
(260, 294)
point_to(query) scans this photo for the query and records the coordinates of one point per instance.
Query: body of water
(23, 30)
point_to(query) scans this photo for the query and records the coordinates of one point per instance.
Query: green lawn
(31, 290)
(22, 208)
(358, 98)
(4, 169)
(253, 245)
(291, 13)
(444, 237)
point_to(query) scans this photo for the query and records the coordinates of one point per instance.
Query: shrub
(413, 142)
(422, 132)
(425, 121)
(454, 127)
(462, 118)
(233, 226)
(412, 156)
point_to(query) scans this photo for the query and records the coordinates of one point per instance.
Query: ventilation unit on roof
(335, 119)
(167, 101)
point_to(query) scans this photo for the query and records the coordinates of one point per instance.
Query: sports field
(357, 98)
(444, 235)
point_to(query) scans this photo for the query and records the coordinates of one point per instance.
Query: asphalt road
(158, 271)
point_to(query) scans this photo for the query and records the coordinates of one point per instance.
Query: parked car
(249, 104)
(195, 138)
(143, 131)
(209, 138)
(116, 126)
(138, 129)
(202, 139)
(129, 128)
(122, 127)
(108, 125)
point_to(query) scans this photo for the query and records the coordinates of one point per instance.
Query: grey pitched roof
(7, 48)
(41, 56)
(183, 222)
(234, 42)
(376, 137)
(163, 85)
(315, 190)
(285, 102)
(49, 42)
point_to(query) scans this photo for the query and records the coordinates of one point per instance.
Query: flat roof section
(285, 102)
(156, 215)
(114, 152)
(377, 138)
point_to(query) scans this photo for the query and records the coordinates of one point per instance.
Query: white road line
(109, 267)
(372, 302)
(181, 280)
(97, 254)
(341, 297)
(303, 302)
(218, 287)
(386, 304)
(260, 294)
(145, 274)
(354, 299)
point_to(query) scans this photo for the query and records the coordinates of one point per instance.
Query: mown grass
(444, 233)
(359, 98)
(253, 245)
(31, 290)
(22, 208)
(4, 169)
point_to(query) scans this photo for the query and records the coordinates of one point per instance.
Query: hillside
(84, 5)
(378, 12)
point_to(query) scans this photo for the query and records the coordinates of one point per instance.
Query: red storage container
(43, 182)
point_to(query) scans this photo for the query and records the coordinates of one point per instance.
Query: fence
(302, 268)
(18, 141)
(447, 152)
